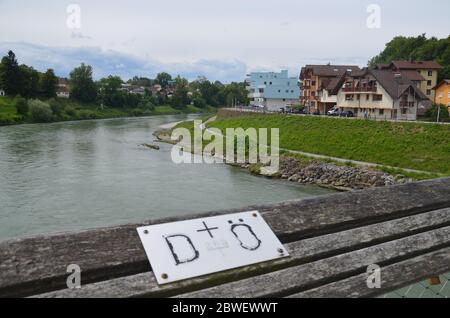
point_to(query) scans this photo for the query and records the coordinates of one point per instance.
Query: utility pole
(439, 113)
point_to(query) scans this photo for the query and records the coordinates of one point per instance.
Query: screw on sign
(184, 250)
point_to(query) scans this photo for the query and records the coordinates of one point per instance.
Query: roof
(413, 75)
(416, 65)
(446, 81)
(330, 70)
(395, 83)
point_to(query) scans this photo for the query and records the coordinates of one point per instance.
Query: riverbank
(340, 175)
(69, 110)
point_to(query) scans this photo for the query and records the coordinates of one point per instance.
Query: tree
(29, 82)
(22, 106)
(163, 79)
(417, 48)
(109, 93)
(180, 98)
(82, 84)
(40, 111)
(49, 83)
(10, 78)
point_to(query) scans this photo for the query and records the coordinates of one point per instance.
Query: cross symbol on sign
(207, 229)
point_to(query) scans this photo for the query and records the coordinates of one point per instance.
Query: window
(377, 98)
(270, 83)
(358, 97)
(428, 92)
(367, 97)
(429, 83)
(261, 90)
(313, 83)
(349, 97)
(404, 111)
(292, 91)
(313, 93)
(265, 83)
(381, 112)
(279, 91)
(430, 73)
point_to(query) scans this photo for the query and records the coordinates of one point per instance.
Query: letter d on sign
(374, 278)
(74, 279)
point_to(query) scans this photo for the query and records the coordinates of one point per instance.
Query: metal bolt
(281, 251)
(146, 232)
(165, 276)
(255, 215)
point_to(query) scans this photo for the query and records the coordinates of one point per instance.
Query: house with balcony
(62, 88)
(423, 73)
(380, 94)
(319, 83)
(273, 91)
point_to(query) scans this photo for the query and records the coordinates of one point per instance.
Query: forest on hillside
(417, 48)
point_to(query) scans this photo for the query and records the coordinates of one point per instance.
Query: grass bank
(72, 110)
(424, 147)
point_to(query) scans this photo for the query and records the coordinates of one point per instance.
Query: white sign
(187, 249)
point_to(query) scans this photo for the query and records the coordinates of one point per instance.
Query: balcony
(372, 89)
(407, 104)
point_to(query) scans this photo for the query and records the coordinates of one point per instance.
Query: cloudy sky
(222, 40)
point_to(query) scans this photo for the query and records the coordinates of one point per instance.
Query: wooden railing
(332, 240)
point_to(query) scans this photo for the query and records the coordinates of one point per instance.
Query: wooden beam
(38, 264)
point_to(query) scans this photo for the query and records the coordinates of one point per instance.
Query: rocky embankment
(344, 178)
(324, 174)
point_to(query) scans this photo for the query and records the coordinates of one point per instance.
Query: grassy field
(76, 111)
(417, 146)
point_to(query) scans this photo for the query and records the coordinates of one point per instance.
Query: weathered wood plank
(145, 285)
(393, 277)
(32, 265)
(299, 278)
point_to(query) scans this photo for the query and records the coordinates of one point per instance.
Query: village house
(379, 94)
(423, 73)
(442, 93)
(273, 91)
(62, 88)
(318, 83)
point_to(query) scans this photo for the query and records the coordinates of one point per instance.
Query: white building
(62, 88)
(273, 91)
(378, 94)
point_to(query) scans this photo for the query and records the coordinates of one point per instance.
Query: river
(78, 175)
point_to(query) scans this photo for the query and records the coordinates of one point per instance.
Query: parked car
(347, 114)
(334, 112)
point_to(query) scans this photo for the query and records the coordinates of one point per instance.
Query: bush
(40, 111)
(137, 112)
(57, 107)
(71, 112)
(22, 107)
(199, 102)
(433, 112)
(87, 114)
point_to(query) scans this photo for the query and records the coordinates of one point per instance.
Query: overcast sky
(222, 40)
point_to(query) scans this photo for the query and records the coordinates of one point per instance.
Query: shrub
(40, 111)
(71, 112)
(56, 106)
(87, 114)
(137, 112)
(22, 107)
(433, 112)
(199, 102)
